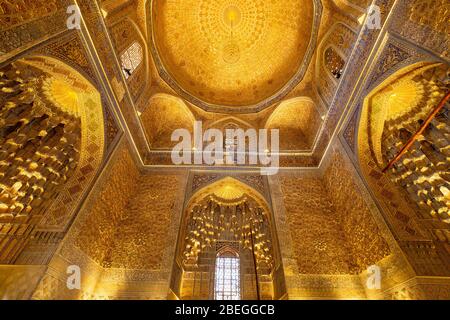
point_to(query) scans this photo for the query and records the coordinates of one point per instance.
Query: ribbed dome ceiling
(232, 52)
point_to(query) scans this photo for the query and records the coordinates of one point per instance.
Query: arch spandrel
(298, 121)
(164, 114)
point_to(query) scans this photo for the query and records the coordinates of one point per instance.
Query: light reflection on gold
(236, 38)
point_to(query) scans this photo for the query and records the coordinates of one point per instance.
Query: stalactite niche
(40, 144)
(227, 219)
(241, 221)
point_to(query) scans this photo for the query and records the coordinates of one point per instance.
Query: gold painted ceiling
(228, 52)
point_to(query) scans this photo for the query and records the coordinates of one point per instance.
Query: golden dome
(232, 52)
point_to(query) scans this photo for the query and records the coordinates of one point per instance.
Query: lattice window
(131, 59)
(227, 277)
(334, 63)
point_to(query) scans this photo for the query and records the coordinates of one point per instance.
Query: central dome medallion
(232, 53)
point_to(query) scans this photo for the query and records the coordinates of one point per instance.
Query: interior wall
(319, 241)
(139, 259)
(332, 240)
(331, 234)
(91, 234)
(358, 224)
(123, 237)
(98, 229)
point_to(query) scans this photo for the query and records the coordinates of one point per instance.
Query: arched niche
(163, 115)
(410, 192)
(227, 215)
(298, 121)
(52, 146)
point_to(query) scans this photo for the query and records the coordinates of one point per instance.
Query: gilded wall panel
(97, 233)
(141, 234)
(367, 244)
(318, 239)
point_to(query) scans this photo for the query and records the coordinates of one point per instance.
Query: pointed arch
(298, 121)
(340, 38)
(164, 114)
